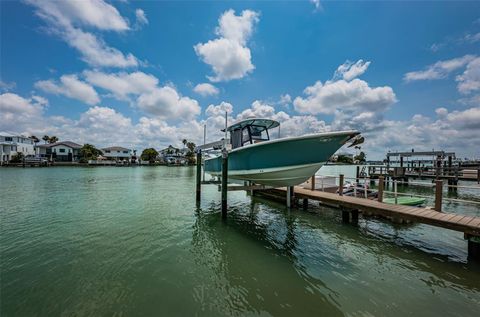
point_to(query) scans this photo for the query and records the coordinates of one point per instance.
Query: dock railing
(448, 172)
(336, 184)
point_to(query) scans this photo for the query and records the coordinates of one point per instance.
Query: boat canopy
(250, 131)
(266, 123)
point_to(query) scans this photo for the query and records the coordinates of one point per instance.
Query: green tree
(184, 141)
(89, 152)
(191, 146)
(149, 154)
(34, 139)
(52, 139)
(46, 138)
(17, 157)
(191, 153)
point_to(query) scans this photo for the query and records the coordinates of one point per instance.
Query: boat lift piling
(199, 174)
(224, 182)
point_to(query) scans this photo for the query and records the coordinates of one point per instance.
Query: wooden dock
(466, 224)
(352, 206)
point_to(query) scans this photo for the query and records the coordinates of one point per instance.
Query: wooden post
(438, 165)
(199, 173)
(224, 182)
(478, 175)
(473, 248)
(357, 173)
(380, 188)
(449, 165)
(365, 187)
(345, 216)
(289, 196)
(395, 191)
(313, 182)
(340, 186)
(438, 194)
(354, 216)
(305, 203)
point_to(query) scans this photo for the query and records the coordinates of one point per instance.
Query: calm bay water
(130, 241)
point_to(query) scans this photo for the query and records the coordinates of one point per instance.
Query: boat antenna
(204, 133)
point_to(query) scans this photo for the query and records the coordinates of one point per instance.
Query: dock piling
(473, 248)
(313, 182)
(289, 196)
(395, 191)
(224, 182)
(345, 216)
(438, 194)
(340, 186)
(380, 188)
(354, 216)
(305, 203)
(199, 173)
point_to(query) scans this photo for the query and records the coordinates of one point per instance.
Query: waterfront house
(64, 151)
(173, 155)
(11, 144)
(117, 153)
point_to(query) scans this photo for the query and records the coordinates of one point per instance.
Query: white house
(65, 151)
(173, 155)
(11, 144)
(117, 153)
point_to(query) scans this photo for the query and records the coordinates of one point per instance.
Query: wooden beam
(438, 194)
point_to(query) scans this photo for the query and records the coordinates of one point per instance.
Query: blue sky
(126, 72)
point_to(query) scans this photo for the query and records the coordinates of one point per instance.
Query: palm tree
(46, 138)
(52, 139)
(35, 139)
(184, 141)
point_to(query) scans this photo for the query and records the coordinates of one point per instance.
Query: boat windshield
(250, 131)
(259, 133)
(248, 135)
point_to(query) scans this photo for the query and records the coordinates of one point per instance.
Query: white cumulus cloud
(70, 86)
(228, 55)
(122, 84)
(350, 70)
(141, 17)
(439, 70)
(165, 102)
(206, 89)
(344, 95)
(66, 20)
(469, 80)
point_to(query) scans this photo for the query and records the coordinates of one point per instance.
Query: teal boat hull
(281, 162)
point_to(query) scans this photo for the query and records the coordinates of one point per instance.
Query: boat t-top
(288, 161)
